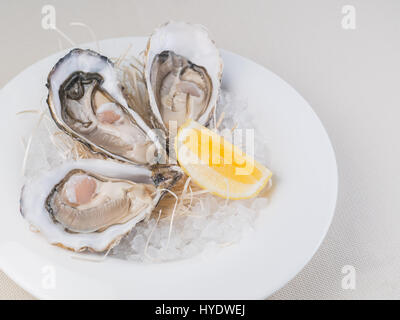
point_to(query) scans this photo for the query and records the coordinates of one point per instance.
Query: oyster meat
(87, 202)
(86, 102)
(183, 70)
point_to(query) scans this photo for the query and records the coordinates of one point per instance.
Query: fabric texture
(9, 290)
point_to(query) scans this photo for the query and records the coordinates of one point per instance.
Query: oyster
(86, 102)
(87, 202)
(183, 70)
(91, 204)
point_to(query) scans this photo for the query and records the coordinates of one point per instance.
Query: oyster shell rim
(30, 211)
(206, 117)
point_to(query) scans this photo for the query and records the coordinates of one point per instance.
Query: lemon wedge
(216, 165)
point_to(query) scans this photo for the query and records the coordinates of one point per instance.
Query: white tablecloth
(351, 78)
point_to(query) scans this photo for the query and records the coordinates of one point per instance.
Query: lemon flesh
(216, 165)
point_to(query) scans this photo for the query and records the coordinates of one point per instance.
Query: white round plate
(298, 216)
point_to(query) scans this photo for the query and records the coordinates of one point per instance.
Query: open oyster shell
(92, 204)
(183, 70)
(86, 102)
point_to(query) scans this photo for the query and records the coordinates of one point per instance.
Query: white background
(350, 77)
